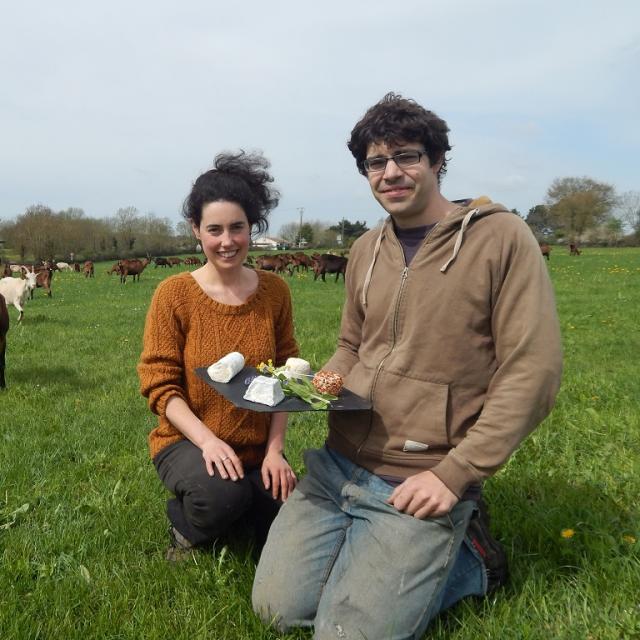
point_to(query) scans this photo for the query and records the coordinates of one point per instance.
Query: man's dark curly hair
(395, 120)
(236, 177)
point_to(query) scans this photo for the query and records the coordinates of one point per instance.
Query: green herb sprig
(298, 387)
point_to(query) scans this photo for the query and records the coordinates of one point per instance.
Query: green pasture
(82, 525)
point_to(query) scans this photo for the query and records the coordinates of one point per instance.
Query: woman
(220, 462)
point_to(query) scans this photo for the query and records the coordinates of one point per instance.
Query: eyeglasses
(402, 159)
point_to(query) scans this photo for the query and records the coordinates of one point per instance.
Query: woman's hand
(219, 455)
(277, 475)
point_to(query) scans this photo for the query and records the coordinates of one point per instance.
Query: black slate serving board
(235, 389)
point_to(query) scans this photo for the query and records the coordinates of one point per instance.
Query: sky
(113, 104)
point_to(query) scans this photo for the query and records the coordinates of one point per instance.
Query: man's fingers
(400, 500)
(429, 511)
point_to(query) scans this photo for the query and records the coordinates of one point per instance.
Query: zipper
(394, 334)
(403, 277)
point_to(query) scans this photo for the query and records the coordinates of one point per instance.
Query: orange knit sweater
(186, 329)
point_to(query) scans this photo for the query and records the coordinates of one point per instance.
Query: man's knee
(277, 607)
(277, 597)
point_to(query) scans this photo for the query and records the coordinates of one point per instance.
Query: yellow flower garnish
(267, 368)
(567, 533)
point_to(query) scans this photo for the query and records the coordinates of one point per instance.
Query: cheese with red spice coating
(327, 382)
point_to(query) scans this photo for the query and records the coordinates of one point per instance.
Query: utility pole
(301, 211)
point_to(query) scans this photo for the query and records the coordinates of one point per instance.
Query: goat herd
(16, 290)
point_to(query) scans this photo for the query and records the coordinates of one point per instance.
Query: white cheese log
(265, 391)
(227, 367)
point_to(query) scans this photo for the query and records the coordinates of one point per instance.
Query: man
(450, 328)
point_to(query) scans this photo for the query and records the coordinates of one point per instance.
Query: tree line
(41, 233)
(576, 209)
(322, 234)
(586, 211)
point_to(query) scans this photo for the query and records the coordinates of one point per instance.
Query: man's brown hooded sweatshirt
(459, 352)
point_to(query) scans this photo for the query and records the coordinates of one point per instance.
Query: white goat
(15, 291)
(64, 266)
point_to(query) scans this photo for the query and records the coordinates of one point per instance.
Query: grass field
(82, 526)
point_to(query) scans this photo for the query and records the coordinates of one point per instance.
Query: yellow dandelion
(629, 539)
(567, 533)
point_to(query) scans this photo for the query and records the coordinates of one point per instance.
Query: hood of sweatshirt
(455, 223)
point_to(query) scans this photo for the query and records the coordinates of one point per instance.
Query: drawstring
(376, 250)
(458, 244)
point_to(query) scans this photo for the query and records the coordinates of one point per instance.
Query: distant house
(264, 242)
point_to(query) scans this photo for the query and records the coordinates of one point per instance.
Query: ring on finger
(224, 458)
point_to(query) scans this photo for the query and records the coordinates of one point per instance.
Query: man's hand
(422, 496)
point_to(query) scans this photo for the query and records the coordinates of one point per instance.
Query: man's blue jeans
(341, 559)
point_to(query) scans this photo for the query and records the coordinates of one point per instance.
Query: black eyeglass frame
(394, 157)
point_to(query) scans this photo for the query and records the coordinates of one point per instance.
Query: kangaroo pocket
(411, 416)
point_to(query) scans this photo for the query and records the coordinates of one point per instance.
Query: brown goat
(271, 263)
(546, 250)
(43, 281)
(133, 267)
(88, 269)
(114, 269)
(328, 263)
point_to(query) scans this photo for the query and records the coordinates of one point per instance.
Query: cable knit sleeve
(161, 368)
(286, 345)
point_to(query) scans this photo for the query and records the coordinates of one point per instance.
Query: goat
(64, 266)
(88, 269)
(43, 280)
(4, 327)
(15, 291)
(114, 269)
(328, 263)
(301, 260)
(133, 268)
(275, 263)
(545, 249)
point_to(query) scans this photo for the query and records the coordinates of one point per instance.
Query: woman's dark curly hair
(236, 177)
(395, 120)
